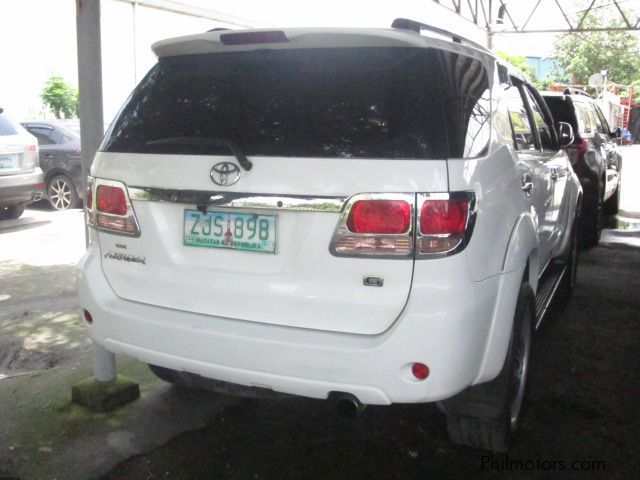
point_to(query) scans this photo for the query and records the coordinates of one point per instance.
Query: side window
(523, 136)
(603, 120)
(544, 129)
(42, 134)
(478, 131)
(595, 120)
(584, 120)
(57, 137)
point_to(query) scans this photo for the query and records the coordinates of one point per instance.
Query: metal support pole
(104, 364)
(89, 82)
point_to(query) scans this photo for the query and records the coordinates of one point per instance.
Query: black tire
(592, 219)
(570, 259)
(487, 416)
(12, 212)
(612, 204)
(61, 193)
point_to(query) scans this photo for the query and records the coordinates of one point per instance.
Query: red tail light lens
(111, 200)
(380, 216)
(109, 209)
(440, 217)
(577, 150)
(32, 148)
(446, 222)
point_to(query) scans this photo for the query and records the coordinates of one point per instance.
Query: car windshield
(347, 102)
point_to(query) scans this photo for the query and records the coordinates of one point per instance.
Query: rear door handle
(554, 174)
(527, 184)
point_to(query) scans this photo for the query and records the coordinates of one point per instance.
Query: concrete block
(105, 396)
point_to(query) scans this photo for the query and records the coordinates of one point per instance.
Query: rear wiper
(208, 141)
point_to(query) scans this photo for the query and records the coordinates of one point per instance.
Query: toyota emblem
(225, 174)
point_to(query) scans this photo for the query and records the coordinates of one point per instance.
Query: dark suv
(594, 157)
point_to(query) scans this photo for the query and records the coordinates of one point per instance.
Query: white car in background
(371, 216)
(21, 179)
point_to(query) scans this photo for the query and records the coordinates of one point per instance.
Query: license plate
(237, 231)
(8, 161)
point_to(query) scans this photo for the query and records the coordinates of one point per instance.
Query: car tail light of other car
(382, 225)
(445, 222)
(577, 150)
(375, 225)
(31, 156)
(109, 208)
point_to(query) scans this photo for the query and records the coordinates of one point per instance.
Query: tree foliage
(520, 63)
(60, 97)
(581, 55)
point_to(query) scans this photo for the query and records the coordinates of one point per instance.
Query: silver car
(21, 179)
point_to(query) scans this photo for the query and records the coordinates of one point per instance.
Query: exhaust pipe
(347, 405)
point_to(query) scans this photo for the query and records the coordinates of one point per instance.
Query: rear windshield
(347, 102)
(7, 127)
(562, 110)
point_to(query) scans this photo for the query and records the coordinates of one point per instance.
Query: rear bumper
(21, 188)
(446, 324)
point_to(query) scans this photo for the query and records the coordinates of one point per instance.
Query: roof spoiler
(407, 24)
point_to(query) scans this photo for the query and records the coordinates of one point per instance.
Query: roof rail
(407, 24)
(575, 91)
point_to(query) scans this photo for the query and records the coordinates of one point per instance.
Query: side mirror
(565, 134)
(617, 133)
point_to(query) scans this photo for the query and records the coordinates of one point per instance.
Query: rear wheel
(487, 416)
(12, 212)
(61, 193)
(612, 205)
(592, 219)
(568, 284)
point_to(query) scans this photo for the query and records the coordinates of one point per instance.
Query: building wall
(38, 38)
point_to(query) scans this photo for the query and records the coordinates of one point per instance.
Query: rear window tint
(7, 127)
(347, 102)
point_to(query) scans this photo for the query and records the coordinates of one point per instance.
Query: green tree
(520, 63)
(583, 54)
(60, 97)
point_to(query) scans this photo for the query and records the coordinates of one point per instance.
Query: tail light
(109, 208)
(445, 222)
(378, 225)
(576, 150)
(32, 156)
(382, 225)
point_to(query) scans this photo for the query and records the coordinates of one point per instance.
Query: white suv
(368, 215)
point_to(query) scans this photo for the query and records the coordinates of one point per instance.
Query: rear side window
(584, 120)
(347, 102)
(7, 127)
(523, 137)
(544, 129)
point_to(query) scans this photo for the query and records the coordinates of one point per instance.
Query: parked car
(61, 160)
(594, 156)
(369, 216)
(21, 179)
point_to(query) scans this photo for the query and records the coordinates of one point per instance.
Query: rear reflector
(420, 371)
(379, 216)
(248, 38)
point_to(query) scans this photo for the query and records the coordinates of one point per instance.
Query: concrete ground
(582, 402)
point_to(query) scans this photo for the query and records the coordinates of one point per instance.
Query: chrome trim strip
(238, 200)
